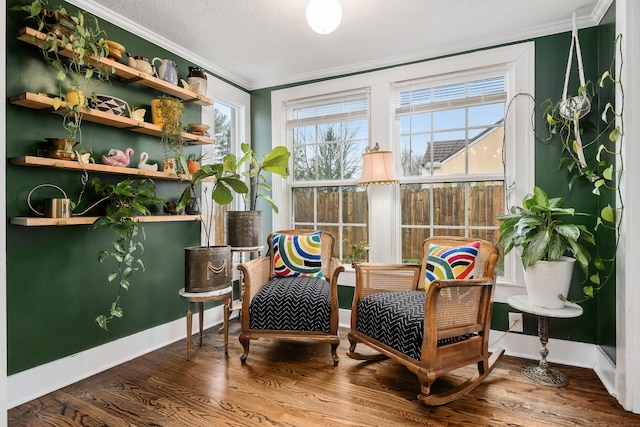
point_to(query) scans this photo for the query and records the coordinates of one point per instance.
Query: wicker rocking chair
(452, 331)
(296, 306)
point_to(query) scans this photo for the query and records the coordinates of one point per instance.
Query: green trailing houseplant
(604, 170)
(168, 112)
(81, 34)
(126, 200)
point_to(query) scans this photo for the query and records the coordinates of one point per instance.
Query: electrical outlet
(515, 322)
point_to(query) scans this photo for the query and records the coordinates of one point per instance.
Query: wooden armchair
(291, 307)
(432, 332)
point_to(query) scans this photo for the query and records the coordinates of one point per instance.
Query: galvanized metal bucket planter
(243, 229)
(207, 269)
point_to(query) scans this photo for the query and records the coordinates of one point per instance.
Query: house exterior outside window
(463, 149)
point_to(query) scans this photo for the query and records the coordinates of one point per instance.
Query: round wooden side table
(543, 374)
(202, 297)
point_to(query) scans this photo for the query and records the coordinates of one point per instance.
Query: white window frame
(518, 63)
(237, 99)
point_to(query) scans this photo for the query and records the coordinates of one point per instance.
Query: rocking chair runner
(291, 307)
(451, 332)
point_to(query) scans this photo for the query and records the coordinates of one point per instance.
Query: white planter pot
(547, 281)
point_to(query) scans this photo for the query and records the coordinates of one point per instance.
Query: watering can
(58, 207)
(167, 71)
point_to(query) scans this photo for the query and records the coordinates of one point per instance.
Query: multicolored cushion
(451, 262)
(297, 255)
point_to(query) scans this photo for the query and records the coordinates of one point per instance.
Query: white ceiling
(264, 43)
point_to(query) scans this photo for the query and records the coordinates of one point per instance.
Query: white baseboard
(33, 383)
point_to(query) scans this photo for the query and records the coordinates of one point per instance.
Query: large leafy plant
(226, 182)
(542, 227)
(126, 200)
(276, 161)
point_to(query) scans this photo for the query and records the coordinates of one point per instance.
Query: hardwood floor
(293, 383)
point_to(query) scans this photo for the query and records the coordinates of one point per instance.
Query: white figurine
(142, 164)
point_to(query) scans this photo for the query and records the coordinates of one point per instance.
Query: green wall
(55, 285)
(597, 325)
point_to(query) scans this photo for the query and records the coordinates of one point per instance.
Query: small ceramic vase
(197, 80)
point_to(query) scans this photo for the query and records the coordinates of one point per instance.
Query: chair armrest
(372, 278)
(335, 268)
(458, 307)
(256, 273)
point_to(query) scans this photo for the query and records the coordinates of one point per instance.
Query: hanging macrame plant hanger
(573, 108)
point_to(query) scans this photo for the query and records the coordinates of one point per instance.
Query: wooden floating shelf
(126, 73)
(37, 101)
(92, 167)
(28, 221)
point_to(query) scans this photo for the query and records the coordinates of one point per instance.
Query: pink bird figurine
(117, 157)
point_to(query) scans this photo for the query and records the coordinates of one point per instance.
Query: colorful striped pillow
(451, 262)
(297, 255)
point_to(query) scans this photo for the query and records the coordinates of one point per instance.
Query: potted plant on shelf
(243, 229)
(541, 229)
(193, 162)
(126, 200)
(208, 268)
(167, 112)
(81, 34)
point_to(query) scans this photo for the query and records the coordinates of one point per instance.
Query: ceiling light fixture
(324, 16)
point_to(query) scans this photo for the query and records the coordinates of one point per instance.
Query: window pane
(303, 206)
(449, 119)
(412, 239)
(489, 114)
(414, 154)
(485, 151)
(486, 201)
(328, 205)
(222, 132)
(449, 204)
(415, 204)
(354, 244)
(355, 208)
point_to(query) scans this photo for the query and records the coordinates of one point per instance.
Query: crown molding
(146, 34)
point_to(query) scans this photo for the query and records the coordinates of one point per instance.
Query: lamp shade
(324, 16)
(377, 168)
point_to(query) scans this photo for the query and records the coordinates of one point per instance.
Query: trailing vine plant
(80, 36)
(603, 172)
(126, 200)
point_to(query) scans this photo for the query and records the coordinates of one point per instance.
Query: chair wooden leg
(334, 354)
(244, 340)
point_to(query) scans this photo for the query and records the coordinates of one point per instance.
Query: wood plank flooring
(294, 383)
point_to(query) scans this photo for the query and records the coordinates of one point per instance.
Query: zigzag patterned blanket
(397, 320)
(293, 304)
